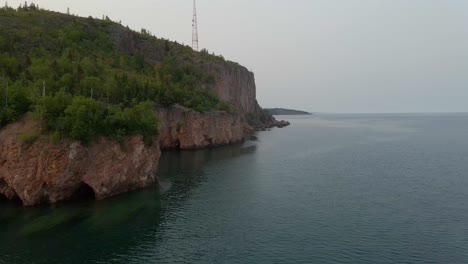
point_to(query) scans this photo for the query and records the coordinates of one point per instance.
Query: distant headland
(282, 111)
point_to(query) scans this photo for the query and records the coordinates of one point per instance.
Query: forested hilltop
(84, 77)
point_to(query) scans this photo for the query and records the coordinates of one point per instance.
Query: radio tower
(194, 28)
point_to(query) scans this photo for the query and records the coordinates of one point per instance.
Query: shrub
(7, 115)
(85, 119)
(29, 138)
(225, 106)
(82, 119)
(55, 137)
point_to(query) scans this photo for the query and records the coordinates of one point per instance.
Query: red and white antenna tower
(194, 28)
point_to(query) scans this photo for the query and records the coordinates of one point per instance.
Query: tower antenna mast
(194, 28)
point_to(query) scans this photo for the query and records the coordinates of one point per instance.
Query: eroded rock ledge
(261, 119)
(44, 172)
(182, 128)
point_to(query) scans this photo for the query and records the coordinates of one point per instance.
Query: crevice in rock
(84, 192)
(208, 140)
(3, 183)
(8, 193)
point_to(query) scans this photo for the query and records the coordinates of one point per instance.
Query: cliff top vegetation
(86, 77)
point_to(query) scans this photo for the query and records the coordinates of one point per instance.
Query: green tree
(82, 119)
(8, 65)
(41, 70)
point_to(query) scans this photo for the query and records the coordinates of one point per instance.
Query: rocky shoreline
(46, 173)
(36, 170)
(183, 129)
(43, 172)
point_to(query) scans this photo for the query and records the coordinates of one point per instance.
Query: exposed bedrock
(44, 172)
(40, 172)
(182, 128)
(234, 84)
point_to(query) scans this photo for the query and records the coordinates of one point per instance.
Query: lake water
(328, 189)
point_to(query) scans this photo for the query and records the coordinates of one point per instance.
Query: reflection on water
(66, 232)
(329, 189)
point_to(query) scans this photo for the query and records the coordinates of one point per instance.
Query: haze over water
(328, 189)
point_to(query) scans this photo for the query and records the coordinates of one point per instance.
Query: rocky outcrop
(261, 119)
(182, 128)
(41, 172)
(44, 172)
(234, 84)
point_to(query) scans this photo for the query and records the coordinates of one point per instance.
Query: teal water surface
(328, 189)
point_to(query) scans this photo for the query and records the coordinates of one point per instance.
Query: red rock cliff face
(44, 172)
(182, 128)
(234, 84)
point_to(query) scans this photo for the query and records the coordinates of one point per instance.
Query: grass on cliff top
(87, 77)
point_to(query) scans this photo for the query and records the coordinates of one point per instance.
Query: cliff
(38, 171)
(232, 82)
(182, 128)
(235, 84)
(43, 172)
(112, 77)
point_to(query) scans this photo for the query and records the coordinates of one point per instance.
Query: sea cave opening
(84, 192)
(10, 195)
(3, 197)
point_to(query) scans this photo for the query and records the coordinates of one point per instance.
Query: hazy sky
(321, 55)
